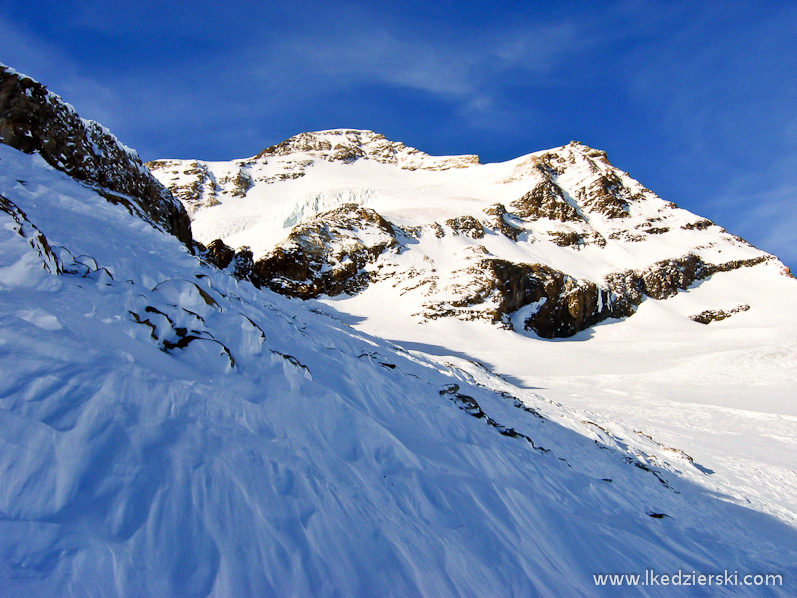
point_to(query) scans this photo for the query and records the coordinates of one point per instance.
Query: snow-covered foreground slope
(169, 431)
(724, 392)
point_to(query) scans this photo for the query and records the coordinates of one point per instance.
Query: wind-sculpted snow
(166, 430)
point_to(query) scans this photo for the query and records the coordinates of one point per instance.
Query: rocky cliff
(35, 120)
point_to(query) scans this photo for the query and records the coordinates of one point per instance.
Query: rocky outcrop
(605, 195)
(566, 238)
(218, 254)
(701, 224)
(575, 239)
(628, 237)
(496, 289)
(467, 226)
(20, 224)
(566, 305)
(546, 200)
(240, 182)
(221, 255)
(498, 219)
(665, 278)
(563, 305)
(34, 120)
(715, 315)
(193, 186)
(326, 254)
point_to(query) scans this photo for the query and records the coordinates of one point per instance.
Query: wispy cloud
(443, 66)
(273, 72)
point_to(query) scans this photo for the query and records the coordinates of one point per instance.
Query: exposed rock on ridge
(200, 191)
(34, 120)
(327, 254)
(331, 253)
(546, 200)
(565, 305)
(348, 145)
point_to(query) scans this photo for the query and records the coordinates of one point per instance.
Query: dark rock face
(499, 288)
(573, 305)
(33, 120)
(218, 253)
(566, 305)
(466, 225)
(35, 238)
(715, 315)
(664, 279)
(546, 200)
(606, 195)
(498, 221)
(326, 254)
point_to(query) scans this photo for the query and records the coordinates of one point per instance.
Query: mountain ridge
(570, 197)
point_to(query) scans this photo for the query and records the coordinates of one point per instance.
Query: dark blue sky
(697, 100)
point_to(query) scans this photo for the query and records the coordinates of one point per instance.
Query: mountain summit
(348, 145)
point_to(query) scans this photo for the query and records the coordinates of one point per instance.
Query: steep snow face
(166, 430)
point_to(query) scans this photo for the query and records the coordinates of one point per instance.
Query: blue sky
(697, 100)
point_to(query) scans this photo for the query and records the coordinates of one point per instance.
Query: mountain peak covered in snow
(348, 145)
(552, 242)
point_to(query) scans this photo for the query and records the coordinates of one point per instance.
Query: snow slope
(169, 431)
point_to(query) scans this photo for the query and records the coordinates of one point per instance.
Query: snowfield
(166, 430)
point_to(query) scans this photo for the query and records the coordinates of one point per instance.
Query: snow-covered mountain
(552, 242)
(168, 428)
